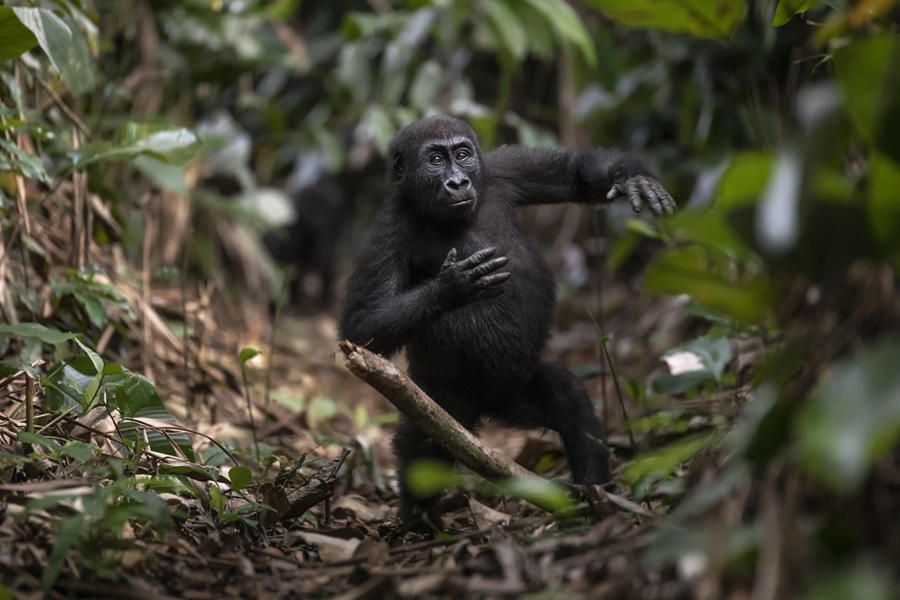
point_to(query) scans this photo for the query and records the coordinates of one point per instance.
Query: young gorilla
(446, 272)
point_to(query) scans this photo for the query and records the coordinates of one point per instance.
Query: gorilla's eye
(436, 159)
(462, 154)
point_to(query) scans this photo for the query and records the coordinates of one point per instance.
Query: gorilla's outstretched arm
(546, 176)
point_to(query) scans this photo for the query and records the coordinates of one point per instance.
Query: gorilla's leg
(410, 443)
(554, 398)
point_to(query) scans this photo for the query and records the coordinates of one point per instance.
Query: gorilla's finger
(490, 281)
(477, 258)
(450, 261)
(488, 267)
(651, 197)
(613, 192)
(634, 195)
(667, 202)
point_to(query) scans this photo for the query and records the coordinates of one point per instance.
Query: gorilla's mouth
(461, 200)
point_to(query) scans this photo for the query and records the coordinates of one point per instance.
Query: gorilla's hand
(649, 189)
(473, 278)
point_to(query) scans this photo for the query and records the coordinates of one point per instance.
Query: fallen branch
(317, 489)
(409, 398)
(385, 377)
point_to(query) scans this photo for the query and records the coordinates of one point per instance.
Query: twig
(616, 383)
(279, 304)
(29, 403)
(250, 410)
(145, 280)
(188, 397)
(615, 376)
(57, 99)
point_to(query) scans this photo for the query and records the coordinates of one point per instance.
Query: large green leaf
(136, 397)
(869, 72)
(66, 49)
(884, 203)
(853, 417)
(36, 330)
(565, 22)
(788, 8)
(701, 18)
(744, 180)
(15, 38)
(690, 271)
(173, 145)
(508, 27)
(16, 160)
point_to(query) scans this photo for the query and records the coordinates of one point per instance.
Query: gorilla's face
(451, 166)
(437, 166)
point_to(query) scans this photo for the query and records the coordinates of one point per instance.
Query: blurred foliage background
(157, 142)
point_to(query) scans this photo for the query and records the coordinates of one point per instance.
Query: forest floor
(350, 546)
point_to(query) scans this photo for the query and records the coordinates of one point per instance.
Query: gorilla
(445, 272)
(309, 244)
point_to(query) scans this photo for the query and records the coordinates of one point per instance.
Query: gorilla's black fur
(446, 272)
(309, 243)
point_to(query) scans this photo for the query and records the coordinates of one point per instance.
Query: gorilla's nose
(457, 184)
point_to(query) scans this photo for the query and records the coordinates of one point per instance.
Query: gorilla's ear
(398, 165)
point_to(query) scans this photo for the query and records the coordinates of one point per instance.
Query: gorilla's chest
(491, 229)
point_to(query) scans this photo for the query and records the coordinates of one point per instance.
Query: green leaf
(788, 8)
(548, 495)
(78, 450)
(320, 408)
(95, 311)
(700, 18)
(90, 393)
(663, 462)
(538, 32)
(168, 176)
(240, 477)
(93, 356)
(690, 271)
(426, 477)
(884, 206)
(137, 398)
(868, 69)
(853, 417)
(248, 353)
(140, 393)
(672, 385)
(565, 22)
(36, 330)
(191, 471)
(18, 161)
(217, 500)
(852, 582)
(36, 438)
(173, 145)
(715, 352)
(426, 85)
(8, 367)
(15, 38)
(60, 392)
(67, 53)
(508, 28)
(744, 180)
